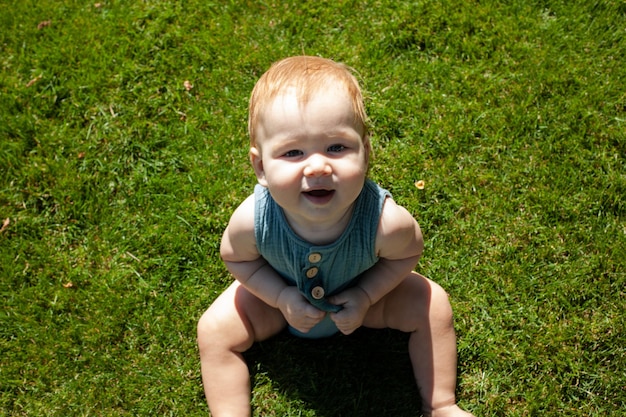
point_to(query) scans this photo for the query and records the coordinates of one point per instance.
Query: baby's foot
(449, 411)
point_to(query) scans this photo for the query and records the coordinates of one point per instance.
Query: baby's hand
(355, 303)
(298, 312)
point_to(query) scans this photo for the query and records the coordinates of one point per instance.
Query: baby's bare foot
(449, 411)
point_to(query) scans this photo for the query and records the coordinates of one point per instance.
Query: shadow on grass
(365, 374)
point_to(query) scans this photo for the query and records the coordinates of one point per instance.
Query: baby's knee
(206, 328)
(214, 329)
(441, 308)
(224, 327)
(438, 294)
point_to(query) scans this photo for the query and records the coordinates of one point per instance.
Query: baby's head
(308, 75)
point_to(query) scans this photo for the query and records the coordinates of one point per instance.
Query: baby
(318, 248)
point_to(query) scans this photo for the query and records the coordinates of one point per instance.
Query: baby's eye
(292, 153)
(336, 148)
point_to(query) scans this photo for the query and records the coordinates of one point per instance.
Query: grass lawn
(123, 152)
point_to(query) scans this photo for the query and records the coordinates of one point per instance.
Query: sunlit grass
(118, 179)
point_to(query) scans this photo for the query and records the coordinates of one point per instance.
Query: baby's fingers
(314, 313)
(307, 322)
(345, 322)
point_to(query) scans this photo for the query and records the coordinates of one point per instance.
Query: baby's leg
(227, 329)
(421, 307)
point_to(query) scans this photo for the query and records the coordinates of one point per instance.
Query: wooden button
(315, 258)
(317, 293)
(312, 272)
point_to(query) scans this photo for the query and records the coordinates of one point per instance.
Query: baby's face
(312, 157)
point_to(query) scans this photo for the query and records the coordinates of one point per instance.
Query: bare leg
(421, 307)
(227, 329)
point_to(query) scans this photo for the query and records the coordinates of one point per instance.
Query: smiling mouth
(319, 193)
(320, 197)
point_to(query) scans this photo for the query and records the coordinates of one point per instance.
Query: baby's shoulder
(395, 218)
(243, 216)
(398, 231)
(238, 239)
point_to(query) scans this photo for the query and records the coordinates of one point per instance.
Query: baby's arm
(240, 254)
(399, 245)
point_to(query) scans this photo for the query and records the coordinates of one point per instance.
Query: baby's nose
(317, 165)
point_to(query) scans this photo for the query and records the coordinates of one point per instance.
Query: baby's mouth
(319, 193)
(320, 197)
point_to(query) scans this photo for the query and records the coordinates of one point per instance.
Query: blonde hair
(307, 74)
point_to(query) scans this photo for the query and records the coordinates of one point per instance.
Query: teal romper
(319, 271)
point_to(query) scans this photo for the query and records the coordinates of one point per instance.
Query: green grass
(117, 183)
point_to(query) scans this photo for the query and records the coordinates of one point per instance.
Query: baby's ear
(257, 164)
(368, 148)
